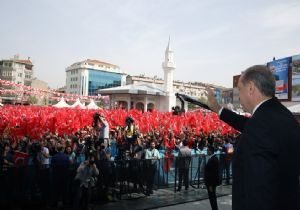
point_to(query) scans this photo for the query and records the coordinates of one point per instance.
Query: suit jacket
(211, 172)
(185, 151)
(184, 157)
(266, 162)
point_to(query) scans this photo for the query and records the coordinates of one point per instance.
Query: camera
(129, 120)
(89, 142)
(177, 110)
(91, 152)
(96, 116)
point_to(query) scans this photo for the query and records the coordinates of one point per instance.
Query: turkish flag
(20, 159)
(168, 159)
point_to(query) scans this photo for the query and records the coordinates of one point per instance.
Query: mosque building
(145, 93)
(94, 77)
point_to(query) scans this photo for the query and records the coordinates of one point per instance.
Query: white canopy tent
(295, 108)
(78, 104)
(61, 104)
(92, 105)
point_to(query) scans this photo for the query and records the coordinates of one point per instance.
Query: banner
(296, 78)
(8, 87)
(280, 69)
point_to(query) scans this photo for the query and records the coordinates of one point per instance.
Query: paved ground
(224, 203)
(167, 199)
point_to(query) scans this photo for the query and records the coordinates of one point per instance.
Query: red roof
(25, 62)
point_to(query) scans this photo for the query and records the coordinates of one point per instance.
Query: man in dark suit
(266, 162)
(211, 176)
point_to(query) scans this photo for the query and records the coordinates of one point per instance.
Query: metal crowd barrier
(47, 184)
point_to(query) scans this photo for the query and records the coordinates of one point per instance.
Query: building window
(101, 79)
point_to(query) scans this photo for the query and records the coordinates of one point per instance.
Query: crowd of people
(88, 153)
(120, 143)
(265, 166)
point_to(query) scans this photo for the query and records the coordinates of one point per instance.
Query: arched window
(139, 106)
(150, 107)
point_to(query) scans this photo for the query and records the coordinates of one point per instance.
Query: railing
(48, 184)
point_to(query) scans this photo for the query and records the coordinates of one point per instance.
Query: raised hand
(212, 101)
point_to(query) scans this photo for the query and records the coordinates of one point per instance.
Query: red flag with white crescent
(20, 159)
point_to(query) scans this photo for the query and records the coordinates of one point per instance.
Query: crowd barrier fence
(48, 184)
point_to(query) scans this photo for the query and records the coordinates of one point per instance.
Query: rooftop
(28, 62)
(95, 62)
(133, 89)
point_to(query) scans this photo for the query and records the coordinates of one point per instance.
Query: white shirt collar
(258, 105)
(255, 108)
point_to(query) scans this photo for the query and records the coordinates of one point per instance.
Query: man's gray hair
(262, 77)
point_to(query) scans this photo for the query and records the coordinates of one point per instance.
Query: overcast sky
(212, 40)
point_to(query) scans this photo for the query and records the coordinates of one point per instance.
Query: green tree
(32, 100)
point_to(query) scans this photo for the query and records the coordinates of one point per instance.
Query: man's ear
(251, 88)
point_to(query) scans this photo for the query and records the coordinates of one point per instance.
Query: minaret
(169, 66)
